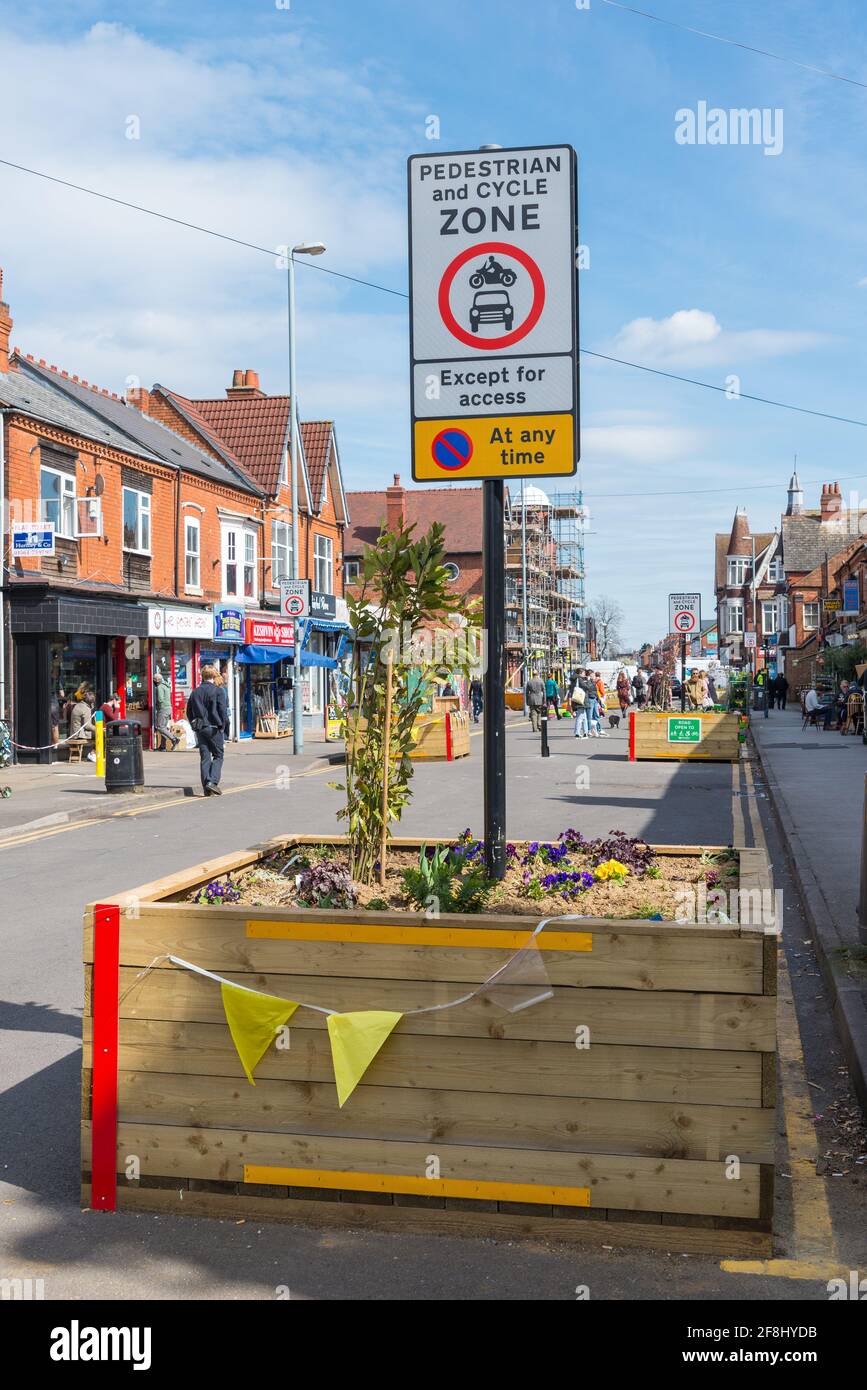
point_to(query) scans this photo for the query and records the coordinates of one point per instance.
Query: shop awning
(262, 656)
(328, 625)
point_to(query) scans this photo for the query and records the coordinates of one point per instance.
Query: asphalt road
(47, 878)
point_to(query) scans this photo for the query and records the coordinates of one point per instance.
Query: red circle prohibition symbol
(505, 339)
(684, 622)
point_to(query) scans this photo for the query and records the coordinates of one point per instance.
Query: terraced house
(150, 533)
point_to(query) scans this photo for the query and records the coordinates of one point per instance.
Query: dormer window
(738, 570)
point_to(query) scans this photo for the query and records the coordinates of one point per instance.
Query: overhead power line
(735, 43)
(401, 294)
(750, 487)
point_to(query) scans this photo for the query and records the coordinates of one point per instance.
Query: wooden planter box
(655, 734)
(438, 737)
(622, 1143)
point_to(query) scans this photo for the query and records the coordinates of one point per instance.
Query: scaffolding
(545, 594)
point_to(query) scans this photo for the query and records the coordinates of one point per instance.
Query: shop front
(265, 687)
(325, 655)
(228, 639)
(176, 637)
(63, 646)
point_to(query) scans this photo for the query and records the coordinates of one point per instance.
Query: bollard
(862, 902)
(546, 751)
(99, 742)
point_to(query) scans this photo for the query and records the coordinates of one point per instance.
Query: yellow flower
(612, 868)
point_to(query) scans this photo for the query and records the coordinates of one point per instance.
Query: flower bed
(607, 1105)
(613, 877)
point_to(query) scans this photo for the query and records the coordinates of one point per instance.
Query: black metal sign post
(683, 673)
(494, 549)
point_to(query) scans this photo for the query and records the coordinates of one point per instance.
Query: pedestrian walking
(781, 690)
(477, 698)
(639, 686)
(601, 705)
(578, 702)
(623, 691)
(535, 693)
(163, 711)
(208, 713)
(552, 694)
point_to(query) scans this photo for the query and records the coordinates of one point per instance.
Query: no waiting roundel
(684, 622)
(491, 295)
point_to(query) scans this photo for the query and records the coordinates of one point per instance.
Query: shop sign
(851, 603)
(194, 623)
(229, 624)
(270, 632)
(323, 606)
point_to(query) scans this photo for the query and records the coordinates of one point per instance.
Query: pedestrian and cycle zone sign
(494, 313)
(684, 614)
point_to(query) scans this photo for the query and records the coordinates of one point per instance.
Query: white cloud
(639, 443)
(695, 337)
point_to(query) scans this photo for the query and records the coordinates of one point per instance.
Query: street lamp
(755, 659)
(305, 248)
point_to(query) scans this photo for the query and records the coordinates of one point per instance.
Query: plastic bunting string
(357, 1037)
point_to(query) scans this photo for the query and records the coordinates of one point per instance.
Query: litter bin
(124, 765)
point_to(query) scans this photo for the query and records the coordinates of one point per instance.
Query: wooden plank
(734, 1242)
(661, 960)
(665, 1130)
(421, 934)
(537, 1194)
(631, 1183)
(518, 1067)
(740, 1022)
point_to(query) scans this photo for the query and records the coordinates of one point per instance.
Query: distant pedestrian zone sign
(684, 730)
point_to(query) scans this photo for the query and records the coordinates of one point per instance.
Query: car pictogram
(491, 306)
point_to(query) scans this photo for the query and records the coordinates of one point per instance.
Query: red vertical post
(449, 755)
(106, 958)
(632, 735)
(120, 672)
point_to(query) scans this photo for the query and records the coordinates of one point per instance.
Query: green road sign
(684, 731)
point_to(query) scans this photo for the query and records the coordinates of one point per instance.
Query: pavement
(49, 873)
(816, 782)
(57, 793)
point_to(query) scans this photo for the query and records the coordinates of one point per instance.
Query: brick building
(168, 529)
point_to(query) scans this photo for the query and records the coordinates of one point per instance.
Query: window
(351, 571)
(231, 564)
(192, 554)
(284, 467)
(281, 552)
(739, 567)
(811, 617)
(323, 565)
(734, 612)
(57, 492)
(770, 617)
(239, 561)
(249, 564)
(775, 570)
(136, 521)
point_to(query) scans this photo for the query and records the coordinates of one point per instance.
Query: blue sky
(274, 124)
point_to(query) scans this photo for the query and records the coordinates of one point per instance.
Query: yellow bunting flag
(355, 1041)
(253, 1021)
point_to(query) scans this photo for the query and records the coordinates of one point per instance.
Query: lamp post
(313, 248)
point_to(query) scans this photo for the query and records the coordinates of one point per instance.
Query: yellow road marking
(425, 1187)
(814, 1242)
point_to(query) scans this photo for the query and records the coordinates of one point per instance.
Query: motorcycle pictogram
(492, 272)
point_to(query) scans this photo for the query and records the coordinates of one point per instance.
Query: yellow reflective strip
(382, 935)
(420, 1187)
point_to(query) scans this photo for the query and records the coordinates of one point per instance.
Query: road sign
(684, 731)
(295, 598)
(37, 539)
(750, 640)
(684, 614)
(494, 313)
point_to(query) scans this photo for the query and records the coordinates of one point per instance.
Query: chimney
(832, 501)
(139, 397)
(244, 383)
(5, 332)
(395, 504)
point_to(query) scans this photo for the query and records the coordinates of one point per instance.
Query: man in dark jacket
(781, 690)
(208, 713)
(535, 694)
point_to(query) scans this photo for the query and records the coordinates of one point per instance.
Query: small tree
(405, 592)
(607, 615)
